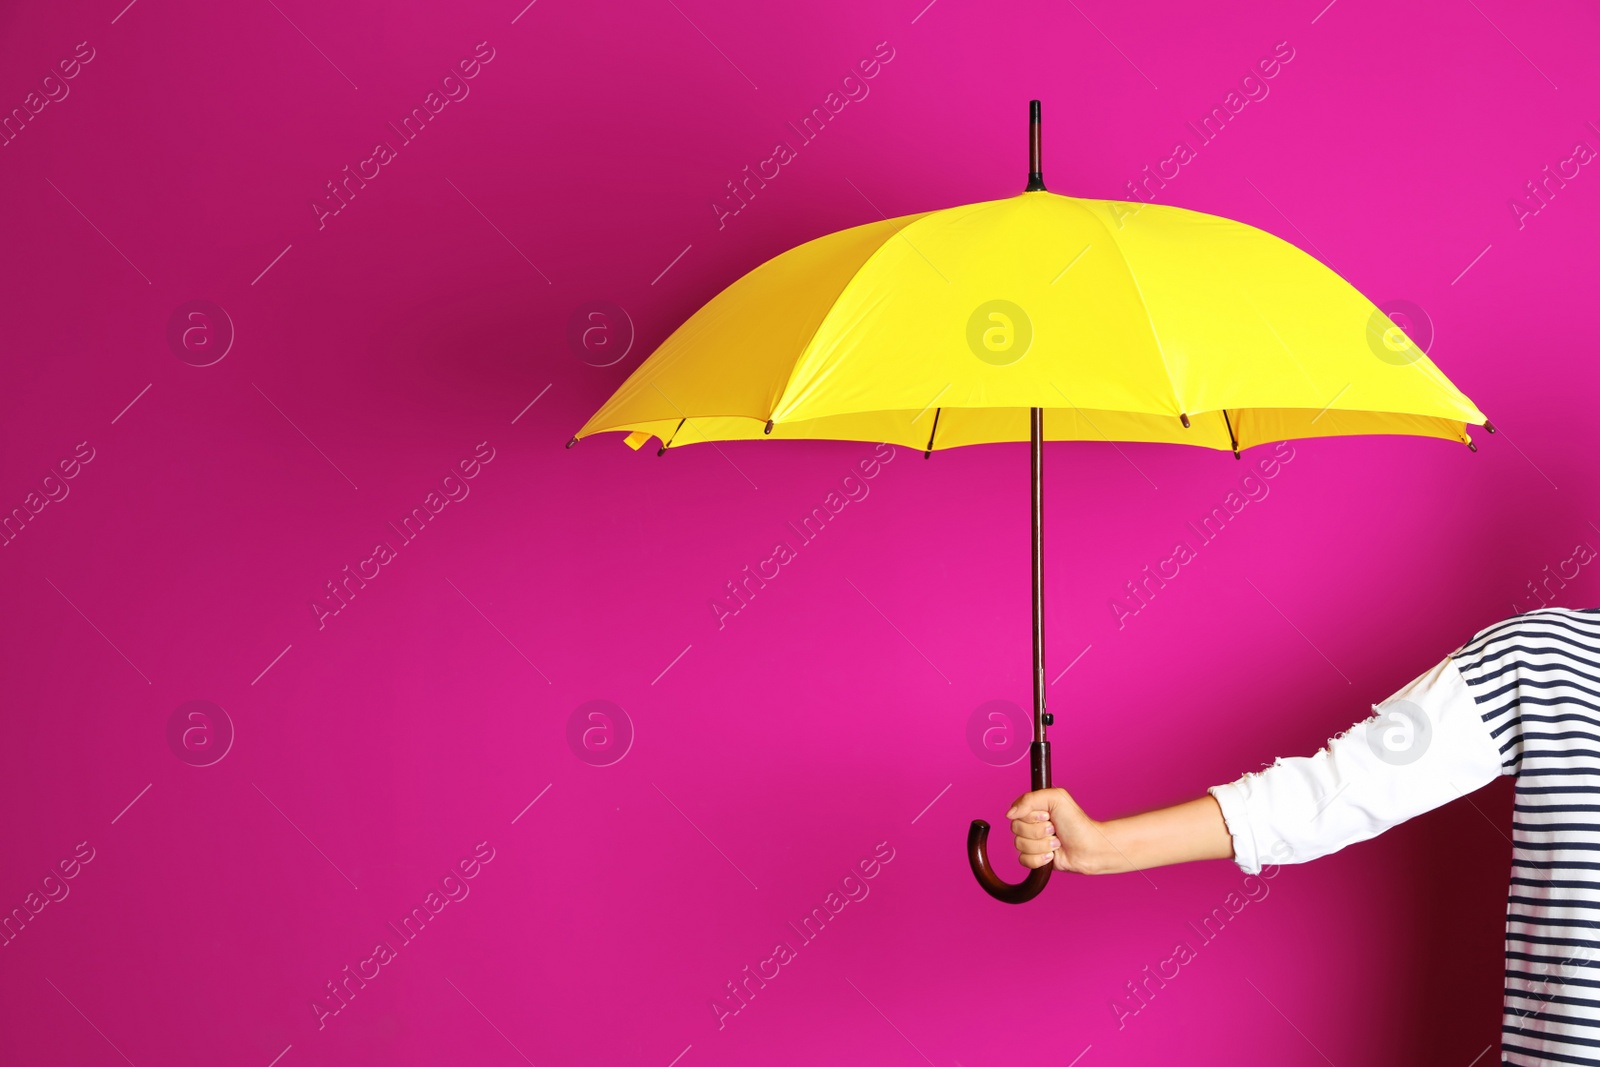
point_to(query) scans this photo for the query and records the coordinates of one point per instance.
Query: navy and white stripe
(1536, 681)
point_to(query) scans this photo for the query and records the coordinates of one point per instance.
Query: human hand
(1050, 827)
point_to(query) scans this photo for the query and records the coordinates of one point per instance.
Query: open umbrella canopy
(1038, 317)
(1123, 321)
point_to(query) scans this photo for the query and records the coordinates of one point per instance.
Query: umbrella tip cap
(1035, 154)
(572, 442)
(1183, 418)
(1487, 425)
(768, 430)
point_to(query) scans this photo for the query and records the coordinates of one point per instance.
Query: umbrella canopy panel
(1123, 321)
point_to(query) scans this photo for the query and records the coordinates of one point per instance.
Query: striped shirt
(1521, 698)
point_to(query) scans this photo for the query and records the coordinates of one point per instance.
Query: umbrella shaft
(1041, 753)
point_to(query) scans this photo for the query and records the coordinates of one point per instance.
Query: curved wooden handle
(993, 884)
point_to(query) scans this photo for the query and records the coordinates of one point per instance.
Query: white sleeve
(1422, 748)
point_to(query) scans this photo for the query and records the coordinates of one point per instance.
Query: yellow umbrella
(1038, 317)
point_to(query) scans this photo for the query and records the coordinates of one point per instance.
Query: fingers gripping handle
(978, 856)
(978, 843)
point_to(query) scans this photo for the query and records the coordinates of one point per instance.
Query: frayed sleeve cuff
(1423, 747)
(1234, 815)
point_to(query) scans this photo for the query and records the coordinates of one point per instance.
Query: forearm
(1423, 747)
(1193, 830)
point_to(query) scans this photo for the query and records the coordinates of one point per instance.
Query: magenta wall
(369, 352)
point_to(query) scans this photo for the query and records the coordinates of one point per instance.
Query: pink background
(830, 714)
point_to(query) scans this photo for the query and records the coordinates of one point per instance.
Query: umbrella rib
(861, 269)
(709, 441)
(1138, 291)
(898, 231)
(668, 442)
(1306, 374)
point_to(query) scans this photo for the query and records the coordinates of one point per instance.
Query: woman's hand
(1050, 827)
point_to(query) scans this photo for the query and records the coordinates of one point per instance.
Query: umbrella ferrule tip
(768, 430)
(1183, 418)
